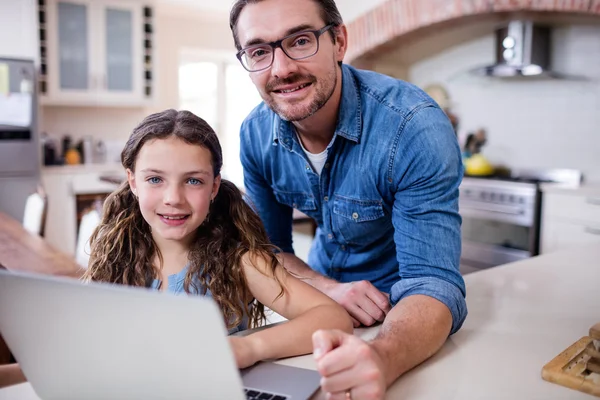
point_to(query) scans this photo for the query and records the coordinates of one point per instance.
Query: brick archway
(396, 18)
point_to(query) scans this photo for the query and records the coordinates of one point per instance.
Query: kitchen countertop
(83, 168)
(586, 189)
(521, 315)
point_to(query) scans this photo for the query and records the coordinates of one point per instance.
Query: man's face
(294, 89)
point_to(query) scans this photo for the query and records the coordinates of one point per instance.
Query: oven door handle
(492, 208)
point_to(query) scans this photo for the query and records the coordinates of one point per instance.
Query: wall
(351, 9)
(175, 29)
(18, 29)
(530, 124)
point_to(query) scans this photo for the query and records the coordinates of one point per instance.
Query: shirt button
(343, 247)
(326, 165)
(330, 236)
(326, 198)
(354, 215)
(307, 166)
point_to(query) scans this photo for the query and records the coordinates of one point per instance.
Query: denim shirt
(176, 282)
(386, 203)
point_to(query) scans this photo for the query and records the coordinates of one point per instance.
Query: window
(217, 88)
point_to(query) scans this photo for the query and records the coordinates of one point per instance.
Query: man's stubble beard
(322, 96)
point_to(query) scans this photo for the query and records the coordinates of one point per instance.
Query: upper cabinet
(95, 53)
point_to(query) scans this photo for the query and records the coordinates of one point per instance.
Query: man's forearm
(301, 270)
(414, 330)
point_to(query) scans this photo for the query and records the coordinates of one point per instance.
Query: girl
(176, 226)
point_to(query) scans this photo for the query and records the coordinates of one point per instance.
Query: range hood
(523, 50)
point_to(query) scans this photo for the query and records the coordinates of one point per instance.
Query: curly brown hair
(122, 248)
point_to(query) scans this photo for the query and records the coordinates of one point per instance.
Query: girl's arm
(306, 308)
(11, 374)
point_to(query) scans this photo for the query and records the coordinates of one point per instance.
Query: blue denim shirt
(176, 282)
(386, 203)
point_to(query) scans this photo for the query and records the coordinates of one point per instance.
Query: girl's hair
(122, 248)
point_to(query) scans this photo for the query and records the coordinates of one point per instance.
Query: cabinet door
(69, 47)
(559, 235)
(121, 51)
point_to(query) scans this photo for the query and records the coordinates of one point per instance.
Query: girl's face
(174, 183)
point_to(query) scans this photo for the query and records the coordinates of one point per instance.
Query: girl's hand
(244, 351)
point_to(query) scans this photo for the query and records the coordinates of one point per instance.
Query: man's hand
(363, 301)
(243, 349)
(348, 366)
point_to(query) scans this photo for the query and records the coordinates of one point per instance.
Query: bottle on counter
(72, 156)
(87, 150)
(100, 152)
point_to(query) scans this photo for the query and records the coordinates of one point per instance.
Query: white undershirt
(316, 160)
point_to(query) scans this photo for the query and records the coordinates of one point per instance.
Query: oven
(500, 222)
(501, 217)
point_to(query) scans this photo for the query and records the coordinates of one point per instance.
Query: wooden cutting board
(578, 367)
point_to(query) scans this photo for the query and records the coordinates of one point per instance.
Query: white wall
(530, 124)
(18, 29)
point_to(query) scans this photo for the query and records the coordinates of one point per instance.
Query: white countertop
(83, 168)
(586, 189)
(521, 316)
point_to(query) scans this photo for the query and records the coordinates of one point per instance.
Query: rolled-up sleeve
(427, 171)
(445, 292)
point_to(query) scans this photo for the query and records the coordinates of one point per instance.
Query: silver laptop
(99, 341)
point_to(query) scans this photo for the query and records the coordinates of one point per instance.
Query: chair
(36, 210)
(89, 221)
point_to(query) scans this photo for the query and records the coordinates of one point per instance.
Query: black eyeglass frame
(278, 44)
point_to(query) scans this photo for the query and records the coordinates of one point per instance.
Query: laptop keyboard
(253, 394)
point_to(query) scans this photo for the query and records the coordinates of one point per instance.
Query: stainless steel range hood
(523, 50)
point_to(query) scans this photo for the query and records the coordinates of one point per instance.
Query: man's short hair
(329, 14)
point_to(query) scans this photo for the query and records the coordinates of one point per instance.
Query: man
(375, 162)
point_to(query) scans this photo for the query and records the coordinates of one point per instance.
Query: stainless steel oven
(501, 217)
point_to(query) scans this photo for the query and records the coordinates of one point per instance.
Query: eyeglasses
(296, 46)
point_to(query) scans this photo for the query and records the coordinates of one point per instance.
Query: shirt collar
(349, 123)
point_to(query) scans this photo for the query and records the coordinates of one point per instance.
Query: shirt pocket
(298, 200)
(358, 221)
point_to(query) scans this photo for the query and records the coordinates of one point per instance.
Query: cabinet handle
(592, 231)
(593, 201)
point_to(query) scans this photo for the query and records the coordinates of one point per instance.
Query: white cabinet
(570, 218)
(98, 53)
(18, 29)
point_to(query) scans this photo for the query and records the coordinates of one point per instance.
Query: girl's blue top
(176, 286)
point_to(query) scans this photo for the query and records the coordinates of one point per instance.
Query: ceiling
(350, 9)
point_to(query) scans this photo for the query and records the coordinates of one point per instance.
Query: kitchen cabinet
(95, 52)
(570, 217)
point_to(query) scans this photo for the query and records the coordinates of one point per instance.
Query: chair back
(36, 210)
(89, 221)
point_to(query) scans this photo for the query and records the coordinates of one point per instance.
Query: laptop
(101, 341)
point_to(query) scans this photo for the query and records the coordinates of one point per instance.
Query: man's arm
(363, 301)
(414, 330)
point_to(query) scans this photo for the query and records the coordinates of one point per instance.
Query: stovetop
(508, 178)
(534, 176)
